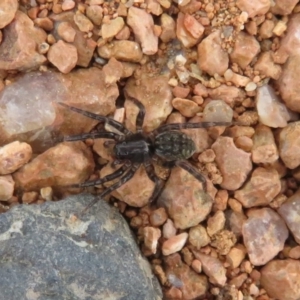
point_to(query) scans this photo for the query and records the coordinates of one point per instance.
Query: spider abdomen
(174, 145)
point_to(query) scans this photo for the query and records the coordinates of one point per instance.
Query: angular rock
(19, 51)
(234, 163)
(289, 145)
(64, 164)
(263, 186)
(87, 257)
(187, 204)
(281, 279)
(174, 244)
(13, 156)
(290, 211)
(266, 66)
(255, 7)
(264, 234)
(156, 95)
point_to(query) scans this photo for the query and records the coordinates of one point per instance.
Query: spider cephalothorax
(135, 149)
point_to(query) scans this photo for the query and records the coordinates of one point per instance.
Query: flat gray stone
(47, 253)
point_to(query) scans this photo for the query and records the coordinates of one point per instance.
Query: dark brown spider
(133, 149)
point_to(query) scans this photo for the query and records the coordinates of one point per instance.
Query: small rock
(168, 28)
(6, 187)
(266, 66)
(234, 163)
(151, 237)
(109, 30)
(264, 148)
(235, 222)
(229, 94)
(194, 28)
(263, 186)
(180, 91)
(211, 57)
(236, 256)
(83, 23)
(169, 229)
(95, 14)
(187, 204)
(158, 217)
(223, 241)
(186, 107)
(290, 211)
(264, 234)
(198, 237)
(295, 252)
(19, 52)
(283, 7)
(215, 223)
(281, 279)
(244, 143)
(113, 71)
(156, 95)
(63, 56)
(66, 32)
(217, 111)
(174, 244)
(29, 197)
(181, 276)
(213, 268)
(271, 111)
(142, 25)
(289, 145)
(13, 156)
(255, 7)
(246, 47)
(8, 9)
(121, 50)
(64, 164)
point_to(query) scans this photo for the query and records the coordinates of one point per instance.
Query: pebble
(7, 185)
(223, 241)
(169, 229)
(194, 28)
(216, 223)
(142, 25)
(19, 52)
(234, 164)
(196, 265)
(168, 28)
(217, 111)
(236, 256)
(156, 95)
(281, 279)
(289, 145)
(47, 193)
(266, 66)
(174, 244)
(186, 107)
(255, 7)
(68, 5)
(207, 156)
(184, 199)
(180, 91)
(264, 148)
(8, 9)
(95, 14)
(264, 234)
(83, 23)
(113, 71)
(13, 156)
(263, 186)
(211, 57)
(151, 237)
(29, 197)
(198, 237)
(182, 32)
(66, 32)
(235, 221)
(64, 164)
(290, 211)
(229, 94)
(271, 110)
(213, 268)
(109, 30)
(63, 56)
(246, 47)
(245, 143)
(121, 50)
(295, 252)
(158, 217)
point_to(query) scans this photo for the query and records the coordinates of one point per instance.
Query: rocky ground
(186, 61)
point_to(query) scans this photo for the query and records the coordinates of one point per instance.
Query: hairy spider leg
(193, 171)
(113, 187)
(159, 183)
(178, 126)
(93, 135)
(117, 125)
(106, 178)
(141, 114)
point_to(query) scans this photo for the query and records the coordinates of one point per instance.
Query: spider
(132, 150)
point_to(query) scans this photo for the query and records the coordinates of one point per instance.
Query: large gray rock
(47, 253)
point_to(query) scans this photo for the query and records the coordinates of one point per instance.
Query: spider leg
(141, 115)
(193, 171)
(106, 178)
(178, 126)
(113, 187)
(93, 135)
(159, 183)
(117, 125)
